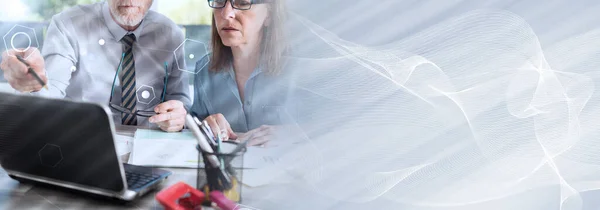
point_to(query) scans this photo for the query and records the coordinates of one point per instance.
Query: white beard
(128, 20)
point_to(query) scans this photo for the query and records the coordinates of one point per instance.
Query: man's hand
(15, 72)
(170, 116)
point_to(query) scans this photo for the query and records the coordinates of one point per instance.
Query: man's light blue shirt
(82, 51)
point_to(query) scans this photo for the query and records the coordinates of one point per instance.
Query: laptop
(68, 144)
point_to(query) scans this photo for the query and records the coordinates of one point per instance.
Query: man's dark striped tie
(128, 90)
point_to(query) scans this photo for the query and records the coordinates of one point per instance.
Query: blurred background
(193, 16)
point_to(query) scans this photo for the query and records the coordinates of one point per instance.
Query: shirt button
(247, 103)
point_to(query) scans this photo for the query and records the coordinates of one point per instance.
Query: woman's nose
(228, 11)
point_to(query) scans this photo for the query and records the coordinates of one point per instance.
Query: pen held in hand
(219, 142)
(32, 72)
(206, 128)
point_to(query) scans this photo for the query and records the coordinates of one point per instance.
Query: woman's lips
(229, 29)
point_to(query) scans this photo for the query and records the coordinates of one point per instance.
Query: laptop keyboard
(138, 180)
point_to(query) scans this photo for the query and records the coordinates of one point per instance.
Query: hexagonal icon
(145, 94)
(50, 155)
(21, 38)
(192, 51)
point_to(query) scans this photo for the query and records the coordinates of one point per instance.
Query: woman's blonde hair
(272, 44)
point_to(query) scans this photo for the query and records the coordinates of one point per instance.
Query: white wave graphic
(470, 111)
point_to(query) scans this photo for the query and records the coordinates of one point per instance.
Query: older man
(115, 52)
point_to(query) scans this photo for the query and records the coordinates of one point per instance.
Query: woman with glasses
(241, 91)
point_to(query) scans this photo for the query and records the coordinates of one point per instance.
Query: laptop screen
(58, 140)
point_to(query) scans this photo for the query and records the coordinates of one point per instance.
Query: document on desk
(265, 165)
(162, 149)
(257, 157)
(123, 143)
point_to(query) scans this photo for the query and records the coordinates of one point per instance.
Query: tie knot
(128, 39)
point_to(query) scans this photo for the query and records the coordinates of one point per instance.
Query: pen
(212, 135)
(219, 141)
(201, 125)
(189, 121)
(222, 178)
(30, 70)
(209, 134)
(166, 80)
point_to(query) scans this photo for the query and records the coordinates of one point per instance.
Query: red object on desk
(222, 202)
(181, 196)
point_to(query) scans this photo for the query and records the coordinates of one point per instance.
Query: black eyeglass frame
(141, 113)
(232, 2)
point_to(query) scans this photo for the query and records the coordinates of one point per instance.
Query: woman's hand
(220, 127)
(259, 136)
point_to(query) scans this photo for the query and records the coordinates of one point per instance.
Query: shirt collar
(255, 73)
(117, 31)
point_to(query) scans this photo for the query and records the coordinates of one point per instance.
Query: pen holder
(225, 180)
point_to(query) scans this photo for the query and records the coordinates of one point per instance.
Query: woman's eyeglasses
(236, 4)
(141, 113)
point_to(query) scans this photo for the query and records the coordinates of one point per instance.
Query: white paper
(160, 149)
(265, 165)
(256, 157)
(263, 157)
(124, 144)
(277, 164)
(264, 176)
